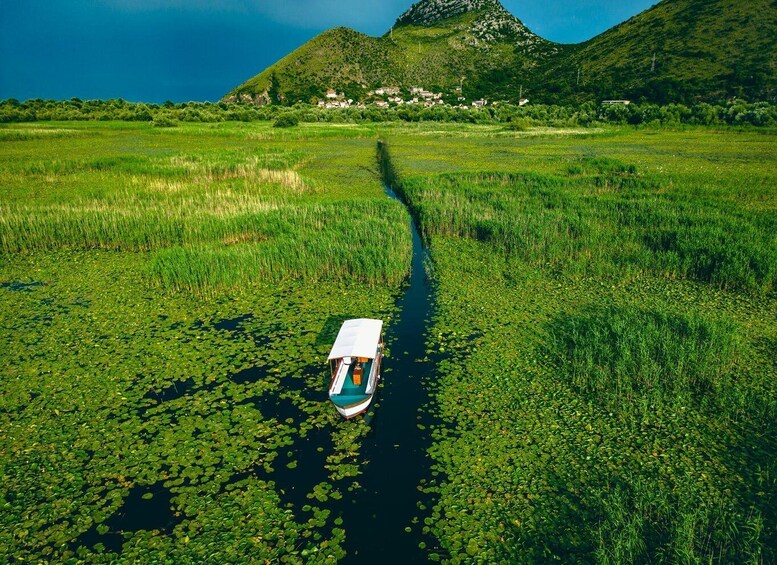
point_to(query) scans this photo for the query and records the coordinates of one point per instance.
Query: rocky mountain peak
(428, 12)
(492, 24)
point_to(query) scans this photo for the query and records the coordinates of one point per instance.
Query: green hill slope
(339, 58)
(704, 49)
(707, 49)
(435, 44)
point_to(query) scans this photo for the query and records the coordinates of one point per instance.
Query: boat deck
(351, 389)
(352, 393)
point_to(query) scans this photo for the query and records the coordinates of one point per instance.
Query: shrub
(519, 124)
(286, 121)
(164, 121)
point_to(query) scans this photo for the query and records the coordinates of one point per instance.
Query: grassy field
(606, 316)
(213, 207)
(604, 324)
(167, 301)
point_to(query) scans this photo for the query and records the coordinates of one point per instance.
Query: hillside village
(678, 51)
(391, 96)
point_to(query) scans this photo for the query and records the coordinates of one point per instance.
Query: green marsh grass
(209, 215)
(604, 318)
(642, 520)
(633, 359)
(367, 243)
(606, 221)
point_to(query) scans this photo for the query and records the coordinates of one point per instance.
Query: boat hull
(354, 409)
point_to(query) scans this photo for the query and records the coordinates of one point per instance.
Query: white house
(387, 90)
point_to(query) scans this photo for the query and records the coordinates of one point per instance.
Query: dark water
(233, 324)
(147, 507)
(21, 286)
(249, 375)
(395, 450)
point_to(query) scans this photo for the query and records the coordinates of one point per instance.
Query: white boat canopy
(357, 338)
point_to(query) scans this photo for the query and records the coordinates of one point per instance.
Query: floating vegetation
(175, 390)
(279, 408)
(310, 384)
(124, 437)
(101, 421)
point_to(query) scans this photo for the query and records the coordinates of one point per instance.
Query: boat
(355, 365)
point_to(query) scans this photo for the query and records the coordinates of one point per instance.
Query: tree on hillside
(274, 92)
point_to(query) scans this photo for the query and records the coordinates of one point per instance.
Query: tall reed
(639, 360)
(602, 219)
(364, 241)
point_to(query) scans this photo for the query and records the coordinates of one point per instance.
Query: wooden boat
(355, 365)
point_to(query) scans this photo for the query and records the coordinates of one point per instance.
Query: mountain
(436, 44)
(678, 50)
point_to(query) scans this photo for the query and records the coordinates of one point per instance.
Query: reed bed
(641, 519)
(219, 216)
(213, 239)
(602, 218)
(367, 244)
(144, 226)
(634, 359)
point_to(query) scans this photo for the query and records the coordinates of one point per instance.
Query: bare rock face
(492, 24)
(260, 99)
(428, 12)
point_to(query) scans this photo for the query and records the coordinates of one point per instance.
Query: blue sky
(180, 50)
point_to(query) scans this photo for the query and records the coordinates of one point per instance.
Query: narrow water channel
(395, 450)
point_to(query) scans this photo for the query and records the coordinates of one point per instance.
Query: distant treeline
(735, 113)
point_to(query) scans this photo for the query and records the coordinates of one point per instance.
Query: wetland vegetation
(168, 301)
(600, 357)
(617, 403)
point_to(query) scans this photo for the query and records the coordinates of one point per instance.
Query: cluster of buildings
(335, 100)
(388, 96)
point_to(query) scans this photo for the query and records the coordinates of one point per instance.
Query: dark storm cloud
(197, 50)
